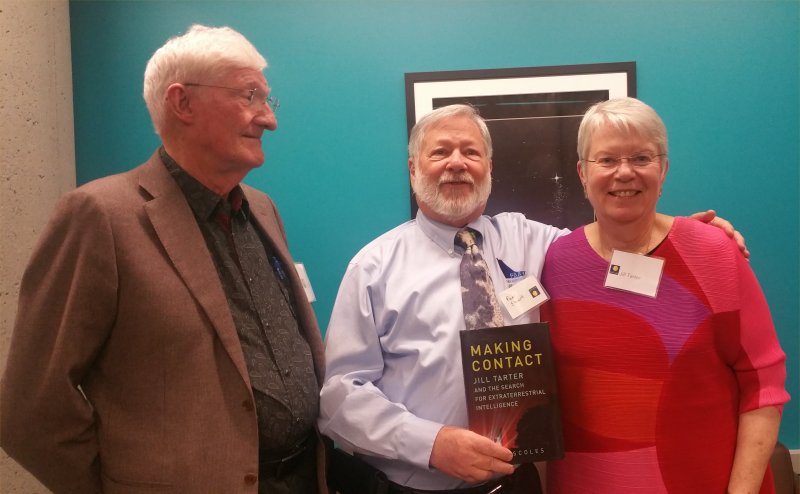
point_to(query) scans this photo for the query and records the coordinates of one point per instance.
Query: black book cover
(512, 396)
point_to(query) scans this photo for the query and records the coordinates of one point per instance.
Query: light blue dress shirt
(394, 375)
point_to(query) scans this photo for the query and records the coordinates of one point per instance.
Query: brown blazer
(121, 300)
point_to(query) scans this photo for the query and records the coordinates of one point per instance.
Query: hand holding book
(510, 384)
(469, 456)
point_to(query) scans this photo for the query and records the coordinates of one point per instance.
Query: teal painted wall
(723, 75)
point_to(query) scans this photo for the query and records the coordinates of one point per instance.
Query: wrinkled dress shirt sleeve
(393, 358)
(375, 423)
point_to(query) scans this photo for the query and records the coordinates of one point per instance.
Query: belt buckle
(282, 466)
(503, 485)
(280, 469)
(284, 463)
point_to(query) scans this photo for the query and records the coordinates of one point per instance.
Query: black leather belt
(349, 474)
(278, 465)
(496, 486)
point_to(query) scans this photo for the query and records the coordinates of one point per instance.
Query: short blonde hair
(626, 114)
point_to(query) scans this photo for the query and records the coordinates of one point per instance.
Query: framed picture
(533, 115)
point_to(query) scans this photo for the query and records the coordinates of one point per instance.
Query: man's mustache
(456, 178)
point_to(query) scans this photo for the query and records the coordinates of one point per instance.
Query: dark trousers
(298, 476)
(348, 474)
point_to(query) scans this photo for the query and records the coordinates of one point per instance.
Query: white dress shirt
(394, 375)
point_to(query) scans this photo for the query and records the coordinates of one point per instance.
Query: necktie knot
(229, 208)
(236, 198)
(481, 309)
(466, 238)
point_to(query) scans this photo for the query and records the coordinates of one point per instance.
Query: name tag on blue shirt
(523, 296)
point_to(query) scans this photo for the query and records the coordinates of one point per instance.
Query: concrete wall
(37, 154)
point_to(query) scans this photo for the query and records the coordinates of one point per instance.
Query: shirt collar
(444, 235)
(203, 201)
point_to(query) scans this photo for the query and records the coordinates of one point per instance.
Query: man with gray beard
(394, 392)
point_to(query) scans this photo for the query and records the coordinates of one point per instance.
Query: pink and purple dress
(652, 388)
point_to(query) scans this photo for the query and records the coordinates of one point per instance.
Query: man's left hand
(712, 219)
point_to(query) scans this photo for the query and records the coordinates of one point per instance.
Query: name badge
(301, 271)
(634, 273)
(523, 296)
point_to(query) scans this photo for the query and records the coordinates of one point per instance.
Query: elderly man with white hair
(164, 341)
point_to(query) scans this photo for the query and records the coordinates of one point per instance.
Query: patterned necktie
(481, 309)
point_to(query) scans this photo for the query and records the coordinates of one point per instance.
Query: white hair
(624, 114)
(427, 190)
(201, 54)
(443, 113)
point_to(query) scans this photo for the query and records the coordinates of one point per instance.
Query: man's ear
(178, 103)
(411, 171)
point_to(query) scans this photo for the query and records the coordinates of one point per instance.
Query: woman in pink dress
(670, 372)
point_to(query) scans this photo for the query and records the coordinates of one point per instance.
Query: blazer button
(250, 479)
(248, 405)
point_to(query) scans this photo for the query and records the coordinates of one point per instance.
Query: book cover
(512, 395)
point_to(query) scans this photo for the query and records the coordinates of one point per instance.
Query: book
(512, 394)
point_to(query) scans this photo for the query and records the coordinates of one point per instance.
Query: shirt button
(250, 479)
(286, 372)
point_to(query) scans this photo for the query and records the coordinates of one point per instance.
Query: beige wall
(37, 154)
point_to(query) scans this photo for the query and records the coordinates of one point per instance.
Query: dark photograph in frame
(533, 115)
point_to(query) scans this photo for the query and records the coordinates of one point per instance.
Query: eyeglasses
(637, 161)
(253, 95)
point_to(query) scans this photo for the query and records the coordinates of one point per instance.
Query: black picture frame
(533, 115)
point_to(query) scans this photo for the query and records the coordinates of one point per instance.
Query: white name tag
(523, 296)
(301, 271)
(634, 273)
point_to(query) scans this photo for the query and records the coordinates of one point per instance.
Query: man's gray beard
(428, 193)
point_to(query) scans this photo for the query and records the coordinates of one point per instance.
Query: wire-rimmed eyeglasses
(637, 160)
(253, 95)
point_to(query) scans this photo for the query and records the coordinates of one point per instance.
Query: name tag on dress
(634, 273)
(523, 296)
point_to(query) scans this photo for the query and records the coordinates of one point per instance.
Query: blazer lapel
(177, 230)
(267, 219)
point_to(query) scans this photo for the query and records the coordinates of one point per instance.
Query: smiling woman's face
(624, 193)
